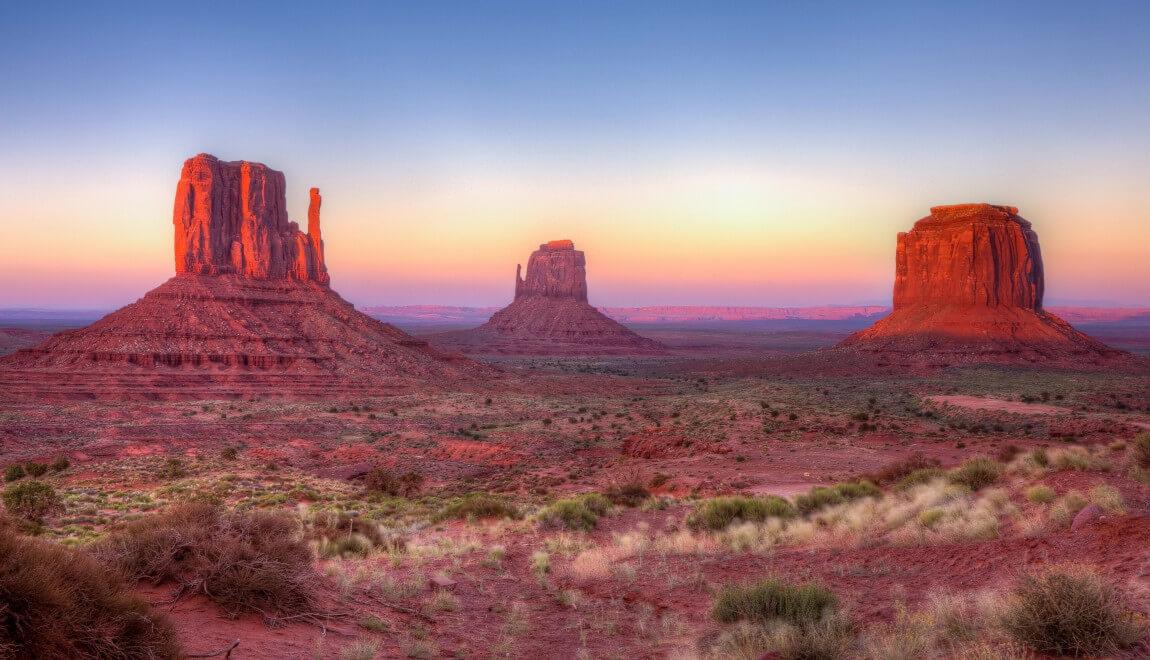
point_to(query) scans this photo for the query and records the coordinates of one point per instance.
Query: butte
(550, 314)
(968, 289)
(249, 311)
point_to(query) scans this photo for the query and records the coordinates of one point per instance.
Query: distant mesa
(249, 310)
(551, 314)
(968, 288)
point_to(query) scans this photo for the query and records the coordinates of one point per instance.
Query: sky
(762, 153)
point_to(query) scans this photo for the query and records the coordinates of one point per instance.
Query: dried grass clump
(338, 533)
(1140, 450)
(1070, 612)
(243, 560)
(829, 638)
(59, 603)
(479, 505)
(720, 512)
(894, 472)
(771, 599)
(574, 513)
(976, 473)
(384, 481)
(821, 497)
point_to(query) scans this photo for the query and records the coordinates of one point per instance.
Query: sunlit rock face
(231, 218)
(968, 288)
(555, 270)
(969, 254)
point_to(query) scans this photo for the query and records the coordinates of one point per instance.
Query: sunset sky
(700, 153)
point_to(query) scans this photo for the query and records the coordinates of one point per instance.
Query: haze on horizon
(758, 155)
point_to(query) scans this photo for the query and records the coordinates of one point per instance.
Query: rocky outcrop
(968, 288)
(550, 314)
(231, 218)
(555, 270)
(248, 312)
(969, 254)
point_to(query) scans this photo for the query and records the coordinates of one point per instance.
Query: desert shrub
(1040, 457)
(1007, 453)
(719, 512)
(384, 481)
(60, 464)
(1040, 494)
(1140, 450)
(976, 473)
(896, 471)
(339, 533)
(347, 545)
(828, 638)
(821, 497)
(771, 599)
(243, 560)
(34, 469)
(1070, 613)
(1073, 458)
(919, 477)
(14, 472)
(628, 493)
(479, 505)
(598, 504)
(59, 603)
(173, 468)
(572, 513)
(1063, 511)
(229, 453)
(31, 500)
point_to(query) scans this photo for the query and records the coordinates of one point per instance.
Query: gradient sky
(700, 153)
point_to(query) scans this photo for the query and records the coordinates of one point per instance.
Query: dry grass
(59, 603)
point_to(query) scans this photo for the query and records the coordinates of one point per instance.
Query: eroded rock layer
(968, 288)
(550, 314)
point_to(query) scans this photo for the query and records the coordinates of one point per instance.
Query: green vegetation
(821, 497)
(976, 473)
(719, 512)
(479, 505)
(771, 600)
(32, 500)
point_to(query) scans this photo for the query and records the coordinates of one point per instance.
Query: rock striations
(249, 311)
(550, 314)
(968, 288)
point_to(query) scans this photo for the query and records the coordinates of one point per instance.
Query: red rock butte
(551, 315)
(968, 288)
(249, 311)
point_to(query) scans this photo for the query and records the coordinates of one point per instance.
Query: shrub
(719, 512)
(1070, 613)
(1007, 453)
(976, 473)
(382, 480)
(60, 464)
(32, 500)
(771, 600)
(572, 513)
(229, 453)
(821, 497)
(59, 603)
(919, 477)
(1140, 450)
(1040, 494)
(34, 469)
(629, 493)
(14, 472)
(598, 504)
(1040, 457)
(242, 560)
(898, 470)
(479, 505)
(173, 468)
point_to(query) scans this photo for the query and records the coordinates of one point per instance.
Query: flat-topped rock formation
(249, 311)
(550, 314)
(968, 288)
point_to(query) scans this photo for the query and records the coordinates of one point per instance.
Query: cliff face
(968, 288)
(969, 254)
(231, 218)
(555, 270)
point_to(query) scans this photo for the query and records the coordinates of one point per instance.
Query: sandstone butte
(249, 310)
(551, 315)
(968, 288)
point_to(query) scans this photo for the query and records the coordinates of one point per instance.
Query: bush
(34, 469)
(719, 512)
(1140, 450)
(32, 500)
(1040, 494)
(976, 473)
(919, 477)
(61, 464)
(630, 493)
(573, 513)
(14, 472)
(892, 473)
(242, 560)
(173, 468)
(821, 497)
(771, 600)
(1070, 613)
(598, 504)
(59, 603)
(479, 505)
(382, 480)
